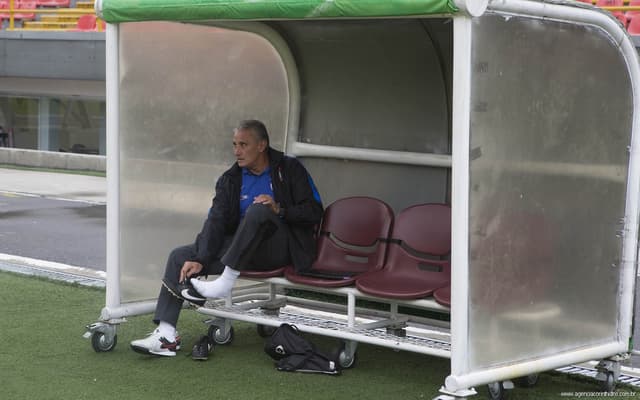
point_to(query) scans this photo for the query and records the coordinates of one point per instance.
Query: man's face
(247, 149)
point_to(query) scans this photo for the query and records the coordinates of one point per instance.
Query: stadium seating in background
(87, 22)
(54, 3)
(634, 25)
(24, 5)
(630, 14)
(614, 3)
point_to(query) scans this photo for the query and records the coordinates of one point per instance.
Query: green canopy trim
(114, 11)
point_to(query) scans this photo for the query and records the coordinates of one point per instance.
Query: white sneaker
(156, 344)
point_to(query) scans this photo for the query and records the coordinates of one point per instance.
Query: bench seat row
(361, 242)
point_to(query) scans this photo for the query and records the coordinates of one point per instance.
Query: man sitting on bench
(262, 217)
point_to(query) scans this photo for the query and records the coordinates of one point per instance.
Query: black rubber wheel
(497, 391)
(217, 337)
(100, 343)
(346, 362)
(265, 331)
(609, 384)
(527, 381)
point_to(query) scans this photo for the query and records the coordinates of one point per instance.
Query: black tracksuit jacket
(291, 188)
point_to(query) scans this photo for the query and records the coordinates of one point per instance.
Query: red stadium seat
(630, 14)
(614, 3)
(609, 3)
(25, 5)
(352, 241)
(634, 25)
(87, 22)
(415, 266)
(54, 3)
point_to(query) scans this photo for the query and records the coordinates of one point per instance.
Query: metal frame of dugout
(532, 134)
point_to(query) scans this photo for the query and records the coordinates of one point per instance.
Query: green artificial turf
(44, 356)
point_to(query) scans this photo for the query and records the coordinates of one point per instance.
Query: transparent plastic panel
(550, 125)
(183, 88)
(400, 186)
(376, 84)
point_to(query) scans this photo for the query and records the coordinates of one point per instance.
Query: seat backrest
(353, 235)
(609, 3)
(425, 228)
(634, 25)
(54, 3)
(630, 14)
(27, 5)
(421, 239)
(87, 22)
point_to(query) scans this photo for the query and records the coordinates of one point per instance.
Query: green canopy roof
(115, 11)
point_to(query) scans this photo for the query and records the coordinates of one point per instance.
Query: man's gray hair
(257, 127)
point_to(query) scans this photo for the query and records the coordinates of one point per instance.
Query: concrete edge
(52, 159)
(52, 35)
(52, 270)
(45, 196)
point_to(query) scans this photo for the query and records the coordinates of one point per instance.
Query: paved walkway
(75, 187)
(92, 189)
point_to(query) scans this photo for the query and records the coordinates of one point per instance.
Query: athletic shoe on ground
(184, 291)
(156, 344)
(202, 348)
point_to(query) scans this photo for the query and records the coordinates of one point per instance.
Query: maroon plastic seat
(415, 266)
(443, 296)
(352, 241)
(263, 274)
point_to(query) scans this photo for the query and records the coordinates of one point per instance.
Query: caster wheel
(101, 344)
(345, 360)
(497, 391)
(218, 337)
(609, 384)
(265, 331)
(528, 381)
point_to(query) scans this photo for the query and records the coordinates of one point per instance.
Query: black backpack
(293, 352)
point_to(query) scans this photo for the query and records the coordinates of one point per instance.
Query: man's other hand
(189, 268)
(268, 201)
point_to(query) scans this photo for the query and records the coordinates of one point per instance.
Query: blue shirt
(252, 186)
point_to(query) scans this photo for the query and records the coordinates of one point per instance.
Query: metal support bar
(384, 323)
(351, 310)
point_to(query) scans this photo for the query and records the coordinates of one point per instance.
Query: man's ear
(262, 146)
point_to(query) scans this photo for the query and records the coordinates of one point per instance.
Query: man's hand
(189, 268)
(268, 201)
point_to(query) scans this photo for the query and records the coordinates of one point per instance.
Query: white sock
(221, 287)
(167, 330)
